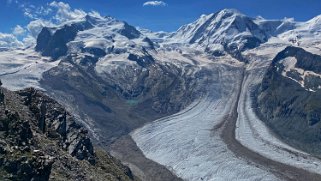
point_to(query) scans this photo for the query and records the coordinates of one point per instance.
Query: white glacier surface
(187, 144)
(23, 68)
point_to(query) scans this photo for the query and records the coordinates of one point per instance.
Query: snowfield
(187, 144)
(23, 68)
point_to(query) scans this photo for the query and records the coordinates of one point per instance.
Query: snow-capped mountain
(276, 27)
(97, 36)
(227, 29)
(111, 68)
(306, 34)
(158, 37)
(116, 78)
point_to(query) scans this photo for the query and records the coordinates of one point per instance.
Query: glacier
(190, 142)
(187, 144)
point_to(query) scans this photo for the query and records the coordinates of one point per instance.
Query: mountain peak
(313, 24)
(220, 15)
(230, 12)
(316, 19)
(225, 28)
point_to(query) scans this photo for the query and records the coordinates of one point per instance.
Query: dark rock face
(42, 117)
(150, 43)
(43, 39)
(252, 42)
(18, 131)
(56, 123)
(34, 168)
(306, 60)
(288, 108)
(129, 31)
(16, 142)
(235, 52)
(1, 94)
(143, 61)
(33, 151)
(54, 44)
(96, 53)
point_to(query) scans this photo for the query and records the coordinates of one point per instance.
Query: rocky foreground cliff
(39, 140)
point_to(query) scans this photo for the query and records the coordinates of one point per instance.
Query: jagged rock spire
(1, 94)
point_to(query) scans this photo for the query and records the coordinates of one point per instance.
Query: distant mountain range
(116, 78)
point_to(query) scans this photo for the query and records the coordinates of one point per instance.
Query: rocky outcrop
(1, 94)
(306, 60)
(40, 140)
(144, 61)
(92, 59)
(56, 123)
(289, 101)
(129, 31)
(53, 43)
(19, 159)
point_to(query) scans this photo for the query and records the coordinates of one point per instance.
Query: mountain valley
(226, 97)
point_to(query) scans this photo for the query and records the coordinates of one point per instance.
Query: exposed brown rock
(57, 149)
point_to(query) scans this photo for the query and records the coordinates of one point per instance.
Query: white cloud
(95, 14)
(65, 13)
(18, 30)
(56, 11)
(43, 10)
(35, 27)
(29, 12)
(29, 41)
(9, 41)
(34, 12)
(155, 3)
(53, 15)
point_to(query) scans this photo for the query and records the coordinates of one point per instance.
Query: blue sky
(167, 17)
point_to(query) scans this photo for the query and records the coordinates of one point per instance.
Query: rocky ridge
(289, 98)
(39, 140)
